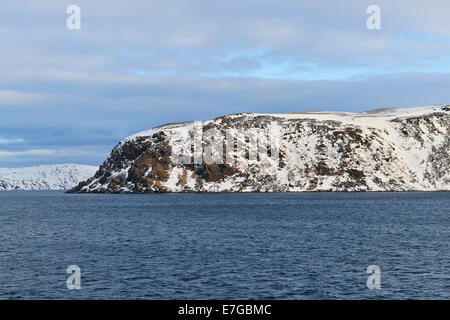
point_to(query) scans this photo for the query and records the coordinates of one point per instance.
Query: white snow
(370, 118)
(376, 150)
(45, 177)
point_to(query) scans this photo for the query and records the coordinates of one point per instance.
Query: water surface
(225, 246)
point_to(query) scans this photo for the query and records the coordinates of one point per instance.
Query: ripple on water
(227, 246)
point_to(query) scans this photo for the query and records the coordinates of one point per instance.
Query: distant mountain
(45, 177)
(404, 149)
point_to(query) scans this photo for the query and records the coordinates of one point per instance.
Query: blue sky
(71, 95)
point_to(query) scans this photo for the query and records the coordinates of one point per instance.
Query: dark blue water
(226, 246)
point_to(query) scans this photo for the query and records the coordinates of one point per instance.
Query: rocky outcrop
(381, 150)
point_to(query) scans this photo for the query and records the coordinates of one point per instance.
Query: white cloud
(63, 153)
(9, 141)
(139, 65)
(10, 98)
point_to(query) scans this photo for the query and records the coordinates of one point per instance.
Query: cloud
(47, 156)
(14, 98)
(9, 141)
(41, 152)
(139, 65)
(191, 38)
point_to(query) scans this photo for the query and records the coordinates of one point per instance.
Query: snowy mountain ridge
(45, 177)
(398, 149)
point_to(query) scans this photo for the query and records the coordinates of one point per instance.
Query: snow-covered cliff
(381, 150)
(45, 177)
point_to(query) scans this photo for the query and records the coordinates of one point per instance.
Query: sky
(69, 96)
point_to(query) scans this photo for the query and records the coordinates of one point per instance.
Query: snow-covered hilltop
(382, 150)
(45, 177)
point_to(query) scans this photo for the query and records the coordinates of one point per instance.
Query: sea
(55, 245)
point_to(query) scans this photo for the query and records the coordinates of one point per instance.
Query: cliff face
(381, 150)
(45, 177)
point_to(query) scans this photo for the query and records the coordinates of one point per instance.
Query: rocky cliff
(382, 150)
